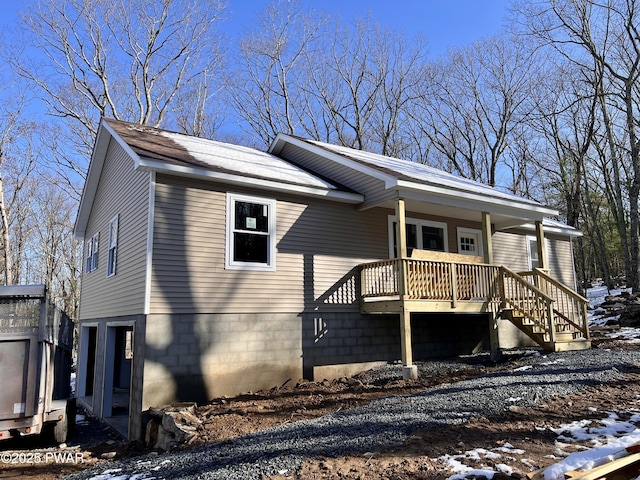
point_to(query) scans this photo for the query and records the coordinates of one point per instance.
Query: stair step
(573, 345)
(563, 336)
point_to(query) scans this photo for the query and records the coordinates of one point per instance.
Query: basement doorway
(117, 382)
(87, 365)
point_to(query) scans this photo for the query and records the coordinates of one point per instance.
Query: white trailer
(36, 342)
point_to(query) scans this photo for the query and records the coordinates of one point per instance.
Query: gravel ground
(385, 422)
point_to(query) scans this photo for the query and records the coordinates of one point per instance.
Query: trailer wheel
(61, 430)
(64, 429)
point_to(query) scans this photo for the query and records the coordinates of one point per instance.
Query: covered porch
(550, 313)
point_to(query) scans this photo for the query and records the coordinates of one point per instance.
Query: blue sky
(444, 23)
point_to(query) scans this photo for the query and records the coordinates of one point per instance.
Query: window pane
(250, 248)
(252, 216)
(467, 244)
(433, 238)
(533, 251)
(412, 236)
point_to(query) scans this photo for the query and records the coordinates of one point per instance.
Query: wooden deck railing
(430, 280)
(547, 310)
(380, 279)
(570, 308)
(527, 301)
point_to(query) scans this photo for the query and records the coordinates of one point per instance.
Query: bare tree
(369, 78)
(475, 102)
(16, 164)
(607, 35)
(269, 84)
(126, 60)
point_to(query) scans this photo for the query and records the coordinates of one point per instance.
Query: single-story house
(212, 269)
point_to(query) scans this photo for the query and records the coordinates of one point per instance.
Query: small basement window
(251, 232)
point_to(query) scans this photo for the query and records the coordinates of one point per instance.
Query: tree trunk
(6, 251)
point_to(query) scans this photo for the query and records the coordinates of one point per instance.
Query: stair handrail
(547, 321)
(582, 302)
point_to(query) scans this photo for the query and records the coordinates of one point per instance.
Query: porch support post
(487, 245)
(542, 249)
(409, 370)
(401, 253)
(401, 229)
(487, 242)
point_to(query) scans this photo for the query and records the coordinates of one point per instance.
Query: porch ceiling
(502, 216)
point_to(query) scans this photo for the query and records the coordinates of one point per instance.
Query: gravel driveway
(384, 422)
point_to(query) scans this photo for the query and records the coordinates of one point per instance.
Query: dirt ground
(508, 434)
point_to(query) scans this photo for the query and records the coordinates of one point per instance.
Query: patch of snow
(609, 440)
(591, 458)
(632, 335)
(246, 161)
(502, 468)
(508, 448)
(522, 369)
(422, 174)
(110, 475)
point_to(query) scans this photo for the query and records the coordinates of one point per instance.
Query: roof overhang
(103, 137)
(429, 197)
(552, 226)
(106, 134)
(150, 164)
(469, 205)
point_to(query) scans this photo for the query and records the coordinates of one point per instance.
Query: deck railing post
(454, 284)
(550, 322)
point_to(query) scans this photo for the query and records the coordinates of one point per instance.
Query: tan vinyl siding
(561, 260)
(319, 244)
(510, 249)
(373, 189)
(316, 253)
(124, 192)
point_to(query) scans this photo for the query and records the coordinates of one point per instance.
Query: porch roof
(425, 189)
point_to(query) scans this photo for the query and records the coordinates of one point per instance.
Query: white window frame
(92, 252)
(230, 264)
(112, 253)
(88, 256)
(419, 222)
(464, 231)
(95, 251)
(529, 239)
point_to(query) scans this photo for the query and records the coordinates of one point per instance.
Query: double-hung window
(92, 253)
(421, 234)
(250, 233)
(113, 247)
(532, 251)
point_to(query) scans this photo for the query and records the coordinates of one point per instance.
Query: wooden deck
(551, 314)
(428, 286)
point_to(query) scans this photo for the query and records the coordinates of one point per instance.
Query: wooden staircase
(552, 315)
